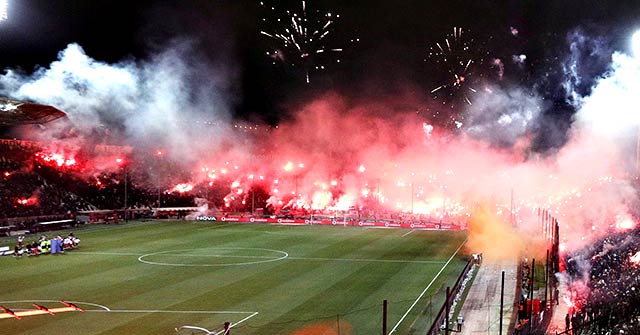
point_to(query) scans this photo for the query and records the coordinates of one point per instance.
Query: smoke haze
(336, 152)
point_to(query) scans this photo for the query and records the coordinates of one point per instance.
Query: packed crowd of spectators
(24, 194)
(32, 190)
(606, 286)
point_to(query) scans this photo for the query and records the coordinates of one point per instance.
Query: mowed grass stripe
(371, 281)
(192, 283)
(272, 287)
(361, 268)
(269, 276)
(307, 283)
(312, 307)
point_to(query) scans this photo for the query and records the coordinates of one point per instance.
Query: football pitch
(184, 277)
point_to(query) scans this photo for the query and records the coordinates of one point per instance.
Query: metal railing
(441, 316)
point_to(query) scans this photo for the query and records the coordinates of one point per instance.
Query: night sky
(389, 59)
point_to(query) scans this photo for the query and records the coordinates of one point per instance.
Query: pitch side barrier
(302, 222)
(438, 325)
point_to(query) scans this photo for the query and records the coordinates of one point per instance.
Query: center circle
(262, 256)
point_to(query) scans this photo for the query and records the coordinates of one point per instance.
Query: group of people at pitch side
(45, 245)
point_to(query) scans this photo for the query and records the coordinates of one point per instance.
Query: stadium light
(4, 10)
(635, 44)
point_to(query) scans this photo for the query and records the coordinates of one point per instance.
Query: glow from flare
(57, 159)
(182, 188)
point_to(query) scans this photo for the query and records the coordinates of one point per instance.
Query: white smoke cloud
(603, 141)
(519, 59)
(588, 57)
(175, 101)
(586, 182)
(612, 107)
(502, 116)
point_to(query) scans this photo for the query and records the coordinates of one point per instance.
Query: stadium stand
(603, 280)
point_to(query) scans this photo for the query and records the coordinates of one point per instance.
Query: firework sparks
(302, 36)
(454, 58)
(635, 258)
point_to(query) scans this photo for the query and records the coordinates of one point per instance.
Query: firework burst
(454, 57)
(302, 36)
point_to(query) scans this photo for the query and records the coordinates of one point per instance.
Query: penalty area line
(427, 288)
(204, 330)
(168, 311)
(239, 322)
(211, 332)
(103, 308)
(409, 232)
(364, 260)
(258, 257)
(107, 253)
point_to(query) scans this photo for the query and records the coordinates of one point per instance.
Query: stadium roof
(16, 112)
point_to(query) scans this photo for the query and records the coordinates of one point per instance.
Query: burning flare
(635, 258)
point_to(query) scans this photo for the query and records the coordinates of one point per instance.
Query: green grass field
(152, 277)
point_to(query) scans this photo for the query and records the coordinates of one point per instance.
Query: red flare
(57, 159)
(182, 188)
(44, 309)
(10, 312)
(68, 304)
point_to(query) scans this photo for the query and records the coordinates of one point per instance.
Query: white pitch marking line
(168, 311)
(266, 257)
(409, 232)
(283, 253)
(218, 256)
(428, 286)
(173, 255)
(365, 260)
(107, 253)
(239, 322)
(107, 309)
(104, 308)
(204, 330)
